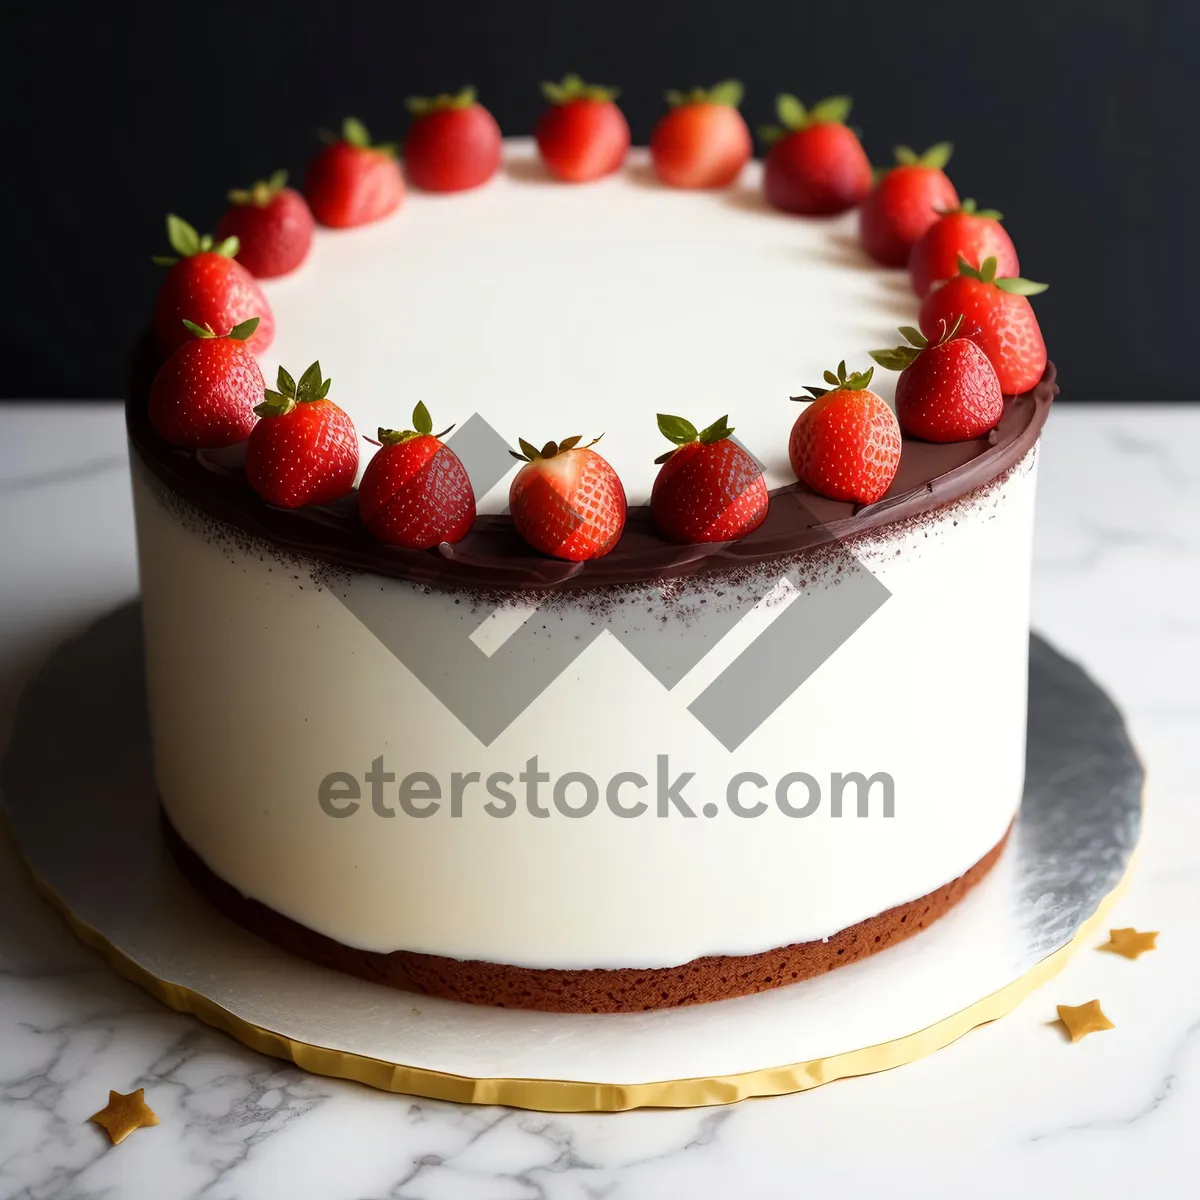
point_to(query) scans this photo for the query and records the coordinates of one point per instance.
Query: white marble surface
(1011, 1108)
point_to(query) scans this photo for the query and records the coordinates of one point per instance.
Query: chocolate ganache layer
(493, 557)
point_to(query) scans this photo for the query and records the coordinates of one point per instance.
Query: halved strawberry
(967, 231)
(703, 141)
(453, 143)
(846, 443)
(583, 135)
(208, 288)
(352, 182)
(272, 224)
(997, 316)
(816, 165)
(415, 491)
(305, 450)
(203, 396)
(905, 202)
(947, 390)
(567, 501)
(709, 488)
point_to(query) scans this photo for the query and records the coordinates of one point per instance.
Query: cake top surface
(543, 311)
(553, 310)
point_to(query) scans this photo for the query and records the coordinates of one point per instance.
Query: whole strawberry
(972, 233)
(583, 135)
(947, 390)
(453, 144)
(415, 491)
(208, 288)
(709, 488)
(352, 182)
(305, 449)
(567, 501)
(203, 396)
(702, 142)
(905, 202)
(816, 165)
(272, 224)
(997, 316)
(846, 443)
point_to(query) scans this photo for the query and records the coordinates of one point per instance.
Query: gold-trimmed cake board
(87, 824)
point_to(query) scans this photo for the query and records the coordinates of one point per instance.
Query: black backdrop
(1077, 119)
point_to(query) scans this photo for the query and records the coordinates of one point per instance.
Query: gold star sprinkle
(124, 1114)
(1082, 1019)
(1129, 942)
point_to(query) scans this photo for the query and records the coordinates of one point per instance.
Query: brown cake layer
(623, 990)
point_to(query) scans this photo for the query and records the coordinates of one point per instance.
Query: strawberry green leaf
(241, 332)
(833, 110)
(770, 134)
(185, 241)
(422, 421)
(676, 429)
(859, 380)
(831, 378)
(662, 458)
(274, 405)
(728, 92)
(531, 451)
(286, 384)
(896, 359)
(937, 156)
(226, 249)
(965, 268)
(200, 331)
(906, 156)
(569, 443)
(422, 106)
(1016, 286)
(310, 386)
(355, 132)
(572, 88)
(163, 260)
(814, 393)
(792, 114)
(914, 337)
(396, 437)
(718, 431)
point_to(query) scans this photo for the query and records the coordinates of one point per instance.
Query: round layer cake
(668, 775)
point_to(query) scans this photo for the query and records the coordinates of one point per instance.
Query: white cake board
(88, 825)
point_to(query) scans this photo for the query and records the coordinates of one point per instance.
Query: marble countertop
(1012, 1108)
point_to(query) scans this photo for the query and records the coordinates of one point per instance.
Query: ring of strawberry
(964, 232)
(709, 489)
(905, 202)
(207, 287)
(567, 501)
(948, 390)
(352, 182)
(702, 142)
(203, 396)
(816, 165)
(453, 143)
(997, 316)
(273, 226)
(305, 450)
(583, 135)
(415, 491)
(846, 443)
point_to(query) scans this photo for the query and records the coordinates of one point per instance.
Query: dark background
(1077, 120)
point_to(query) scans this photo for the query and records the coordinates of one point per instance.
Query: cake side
(286, 677)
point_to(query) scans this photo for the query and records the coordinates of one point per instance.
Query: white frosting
(554, 310)
(261, 684)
